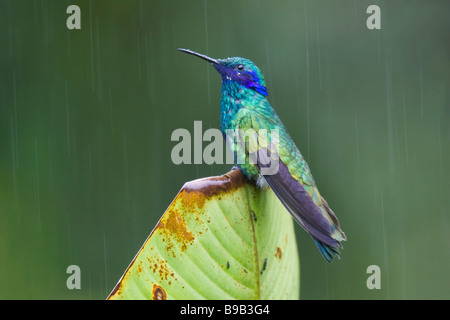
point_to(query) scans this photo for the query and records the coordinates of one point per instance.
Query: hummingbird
(244, 106)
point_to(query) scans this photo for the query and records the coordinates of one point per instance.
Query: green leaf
(221, 238)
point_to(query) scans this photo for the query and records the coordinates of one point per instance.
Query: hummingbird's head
(237, 69)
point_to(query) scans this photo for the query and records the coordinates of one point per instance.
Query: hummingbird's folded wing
(298, 201)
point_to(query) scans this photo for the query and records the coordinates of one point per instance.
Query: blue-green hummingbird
(244, 106)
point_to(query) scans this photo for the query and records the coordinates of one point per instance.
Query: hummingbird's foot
(261, 182)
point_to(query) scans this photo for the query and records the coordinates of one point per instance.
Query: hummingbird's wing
(323, 226)
(292, 181)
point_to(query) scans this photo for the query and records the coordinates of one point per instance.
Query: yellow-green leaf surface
(221, 238)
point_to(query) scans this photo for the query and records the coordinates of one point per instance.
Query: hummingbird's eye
(240, 67)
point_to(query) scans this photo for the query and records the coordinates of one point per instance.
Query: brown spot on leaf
(158, 293)
(139, 268)
(193, 201)
(173, 229)
(279, 253)
(161, 268)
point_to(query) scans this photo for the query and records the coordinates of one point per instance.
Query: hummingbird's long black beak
(209, 59)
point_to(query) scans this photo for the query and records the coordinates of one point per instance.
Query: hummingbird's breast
(235, 97)
(230, 104)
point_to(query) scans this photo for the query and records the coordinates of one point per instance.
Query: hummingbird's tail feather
(338, 234)
(327, 251)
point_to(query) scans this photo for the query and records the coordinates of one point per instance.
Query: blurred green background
(86, 118)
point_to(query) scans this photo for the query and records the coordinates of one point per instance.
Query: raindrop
(111, 123)
(105, 262)
(140, 12)
(403, 271)
(389, 114)
(269, 73)
(69, 242)
(16, 135)
(441, 163)
(38, 201)
(67, 118)
(318, 53)
(379, 52)
(149, 73)
(307, 81)
(357, 140)
(297, 91)
(99, 78)
(13, 155)
(90, 287)
(139, 55)
(125, 164)
(10, 31)
(90, 168)
(421, 88)
(92, 46)
(405, 130)
(207, 52)
(69, 47)
(385, 245)
(307, 99)
(36, 14)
